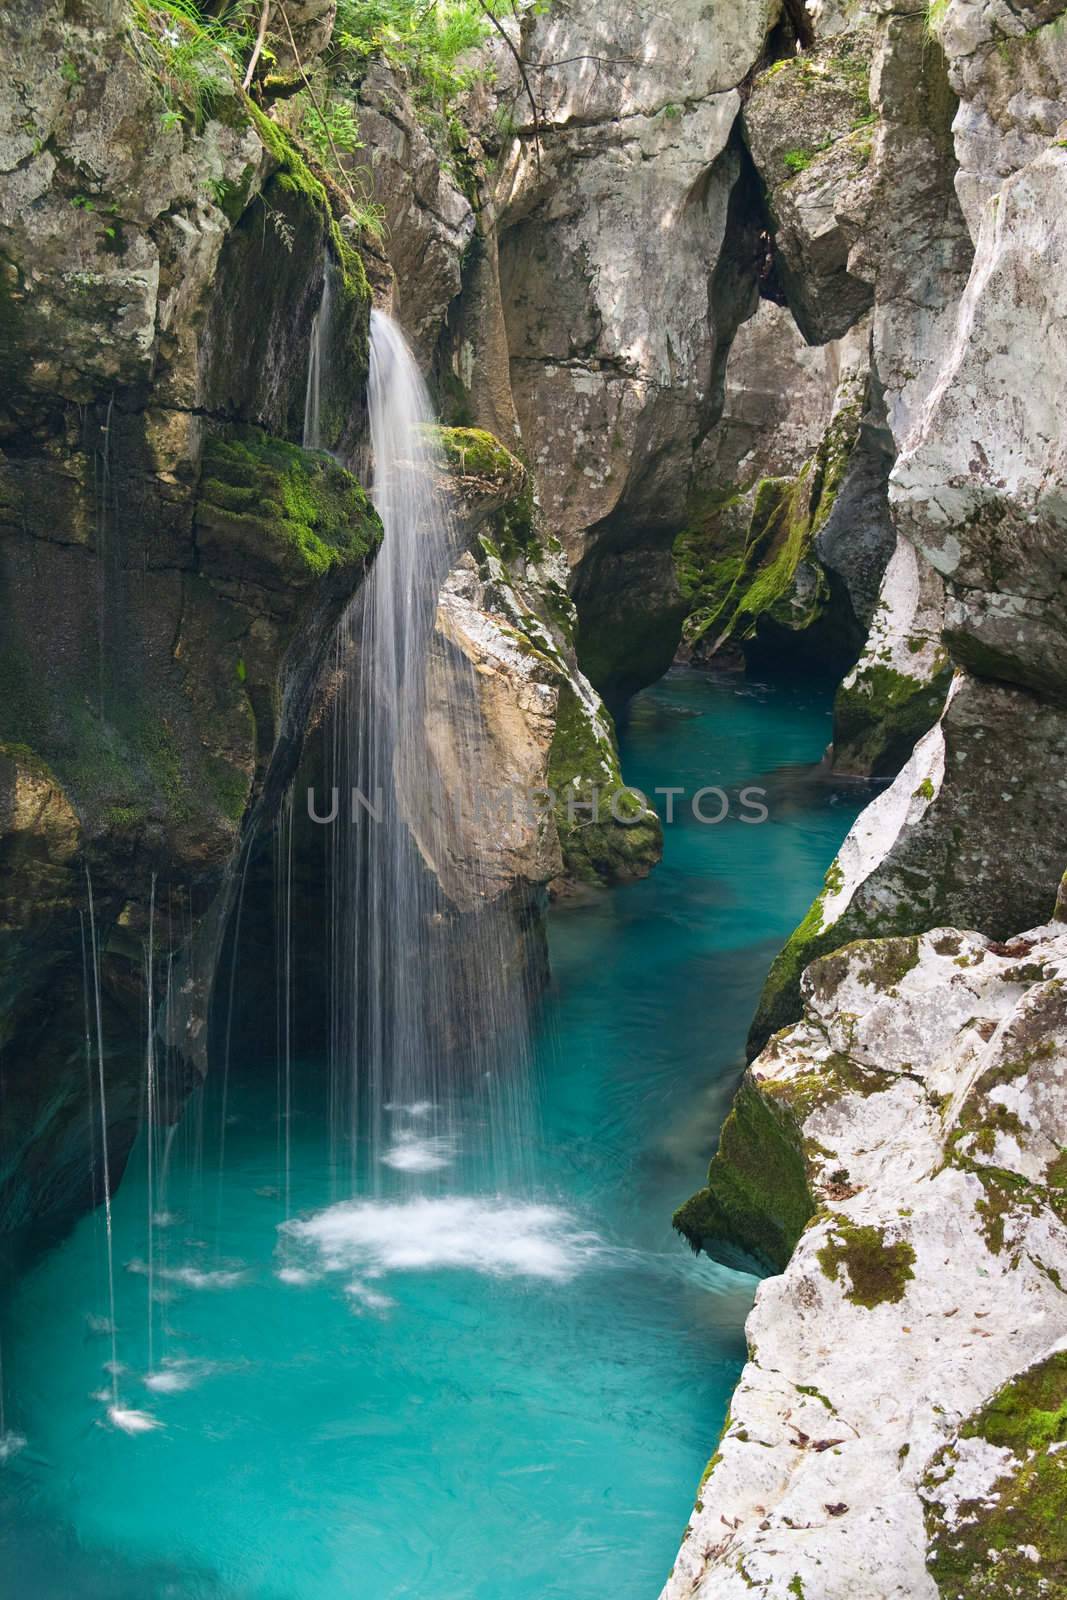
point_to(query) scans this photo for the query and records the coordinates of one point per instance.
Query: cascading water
(406, 1044)
(318, 357)
(121, 1416)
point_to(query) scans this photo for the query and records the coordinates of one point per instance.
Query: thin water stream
(432, 1389)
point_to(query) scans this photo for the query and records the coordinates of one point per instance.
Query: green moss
(797, 160)
(301, 509)
(597, 848)
(735, 573)
(294, 172)
(815, 1394)
(779, 1002)
(878, 1272)
(757, 1199)
(880, 716)
(983, 1554)
(474, 453)
(888, 961)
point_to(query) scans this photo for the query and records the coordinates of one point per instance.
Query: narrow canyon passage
(434, 1389)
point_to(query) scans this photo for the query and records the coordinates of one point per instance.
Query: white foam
(98, 1324)
(421, 1108)
(192, 1277)
(409, 1153)
(297, 1275)
(10, 1445)
(131, 1421)
(493, 1236)
(373, 1299)
(177, 1374)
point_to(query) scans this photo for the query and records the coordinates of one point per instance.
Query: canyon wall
(894, 1157)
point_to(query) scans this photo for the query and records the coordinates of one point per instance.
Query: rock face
(429, 222)
(974, 580)
(900, 1154)
(172, 564)
(895, 1151)
(545, 800)
(618, 299)
(979, 491)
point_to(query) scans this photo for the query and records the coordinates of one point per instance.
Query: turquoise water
(472, 1397)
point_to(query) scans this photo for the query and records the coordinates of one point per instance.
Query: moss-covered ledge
(607, 833)
(746, 560)
(278, 517)
(757, 1201)
(1007, 1535)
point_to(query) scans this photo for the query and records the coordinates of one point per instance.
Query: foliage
(195, 58)
(936, 11)
(329, 126)
(797, 160)
(426, 41)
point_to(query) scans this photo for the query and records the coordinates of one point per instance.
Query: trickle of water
(151, 1096)
(317, 363)
(94, 959)
(413, 1020)
(283, 880)
(125, 1418)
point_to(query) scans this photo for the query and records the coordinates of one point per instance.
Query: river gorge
(533, 913)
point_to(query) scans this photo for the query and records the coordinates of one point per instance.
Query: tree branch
(260, 37)
(498, 25)
(318, 109)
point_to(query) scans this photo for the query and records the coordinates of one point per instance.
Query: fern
(194, 58)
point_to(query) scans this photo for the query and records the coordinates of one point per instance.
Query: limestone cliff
(898, 1158)
(894, 1153)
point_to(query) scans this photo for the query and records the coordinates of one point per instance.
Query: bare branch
(318, 109)
(260, 37)
(498, 25)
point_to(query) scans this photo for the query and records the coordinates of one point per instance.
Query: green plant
(195, 58)
(936, 11)
(425, 41)
(797, 160)
(331, 125)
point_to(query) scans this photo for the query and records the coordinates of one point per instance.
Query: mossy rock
(473, 454)
(893, 953)
(267, 509)
(880, 714)
(1012, 1540)
(746, 561)
(599, 845)
(877, 1272)
(757, 1201)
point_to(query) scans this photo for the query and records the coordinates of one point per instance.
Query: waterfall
(318, 356)
(94, 956)
(124, 1417)
(283, 921)
(150, 1110)
(423, 1014)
